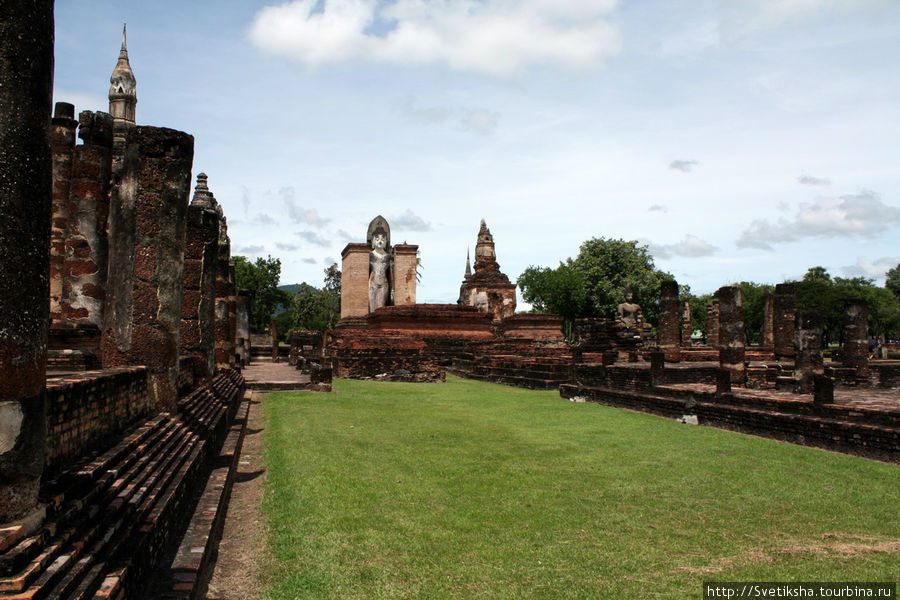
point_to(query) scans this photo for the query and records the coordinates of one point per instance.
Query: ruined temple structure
(487, 289)
(120, 426)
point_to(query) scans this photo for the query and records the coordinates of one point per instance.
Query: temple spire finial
(123, 53)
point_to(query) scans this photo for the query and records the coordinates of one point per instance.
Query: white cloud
(314, 238)
(873, 269)
(409, 221)
(263, 219)
(297, 213)
(855, 215)
(658, 208)
(690, 247)
(250, 250)
(490, 37)
(310, 261)
(287, 247)
(480, 121)
(810, 180)
(81, 100)
(686, 165)
(745, 16)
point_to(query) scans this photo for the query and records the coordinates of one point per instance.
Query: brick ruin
(120, 400)
(487, 288)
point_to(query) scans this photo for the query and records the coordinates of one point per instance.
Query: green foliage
(260, 278)
(820, 292)
(593, 284)
(473, 490)
(319, 309)
(560, 291)
(753, 299)
(893, 280)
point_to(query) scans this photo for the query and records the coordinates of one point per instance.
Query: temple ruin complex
(126, 351)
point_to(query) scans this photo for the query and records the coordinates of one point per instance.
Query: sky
(740, 140)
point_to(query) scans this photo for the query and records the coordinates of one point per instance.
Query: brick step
(187, 575)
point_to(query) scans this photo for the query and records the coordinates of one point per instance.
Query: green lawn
(473, 490)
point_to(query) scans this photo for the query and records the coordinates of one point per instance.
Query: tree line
(593, 285)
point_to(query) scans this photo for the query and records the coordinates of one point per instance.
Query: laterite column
(669, 325)
(732, 341)
(26, 75)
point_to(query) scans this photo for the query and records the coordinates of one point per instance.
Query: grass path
(473, 490)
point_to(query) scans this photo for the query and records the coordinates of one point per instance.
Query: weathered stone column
(62, 138)
(732, 340)
(26, 74)
(199, 295)
(242, 340)
(84, 270)
(273, 333)
(669, 325)
(856, 336)
(355, 280)
(687, 328)
(767, 338)
(785, 304)
(712, 324)
(224, 336)
(808, 339)
(404, 274)
(142, 319)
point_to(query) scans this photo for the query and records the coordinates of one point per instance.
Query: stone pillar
(232, 316)
(808, 359)
(199, 294)
(732, 340)
(242, 340)
(224, 339)
(856, 336)
(62, 138)
(669, 326)
(785, 304)
(26, 74)
(768, 327)
(273, 332)
(657, 368)
(355, 280)
(712, 324)
(142, 320)
(404, 284)
(85, 271)
(687, 328)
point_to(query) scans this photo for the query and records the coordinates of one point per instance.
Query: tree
(260, 279)
(560, 291)
(893, 280)
(319, 309)
(819, 291)
(753, 300)
(593, 284)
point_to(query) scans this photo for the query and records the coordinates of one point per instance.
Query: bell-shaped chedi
(487, 288)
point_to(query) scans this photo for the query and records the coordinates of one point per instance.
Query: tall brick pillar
(355, 280)
(712, 324)
(669, 323)
(768, 328)
(785, 304)
(687, 328)
(808, 360)
(198, 301)
(224, 338)
(405, 262)
(147, 229)
(242, 338)
(26, 74)
(62, 139)
(84, 270)
(856, 336)
(732, 340)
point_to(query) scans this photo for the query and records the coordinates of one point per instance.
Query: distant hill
(290, 289)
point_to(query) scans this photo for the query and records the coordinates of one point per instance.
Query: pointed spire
(468, 264)
(202, 196)
(123, 53)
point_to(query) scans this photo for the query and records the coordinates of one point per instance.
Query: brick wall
(85, 411)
